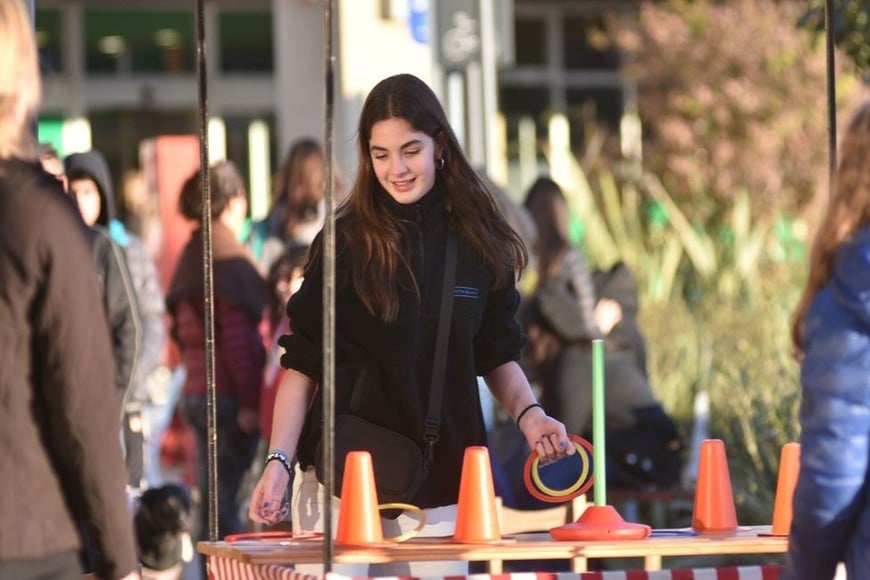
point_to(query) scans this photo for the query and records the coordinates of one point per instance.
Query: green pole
(600, 489)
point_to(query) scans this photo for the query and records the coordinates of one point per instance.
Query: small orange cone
(789, 466)
(359, 521)
(714, 511)
(476, 512)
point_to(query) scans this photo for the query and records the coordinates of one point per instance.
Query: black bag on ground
(397, 460)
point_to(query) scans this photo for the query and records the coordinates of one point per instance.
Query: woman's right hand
(270, 502)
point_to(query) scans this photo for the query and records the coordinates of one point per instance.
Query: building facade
(119, 73)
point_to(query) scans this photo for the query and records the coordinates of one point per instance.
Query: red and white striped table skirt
(230, 569)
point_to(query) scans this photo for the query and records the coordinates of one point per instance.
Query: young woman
(831, 332)
(413, 182)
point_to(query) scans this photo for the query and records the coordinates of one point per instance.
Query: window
(594, 112)
(531, 42)
(48, 25)
(245, 41)
(580, 52)
(523, 100)
(152, 41)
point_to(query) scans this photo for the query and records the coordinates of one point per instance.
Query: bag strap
(436, 388)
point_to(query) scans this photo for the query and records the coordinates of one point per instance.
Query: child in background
(284, 279)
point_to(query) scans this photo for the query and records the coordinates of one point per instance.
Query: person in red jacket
(239, 300)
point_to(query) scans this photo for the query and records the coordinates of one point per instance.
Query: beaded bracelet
(526, 410)
(278, 455)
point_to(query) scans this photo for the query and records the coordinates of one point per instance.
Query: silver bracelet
(278, 455)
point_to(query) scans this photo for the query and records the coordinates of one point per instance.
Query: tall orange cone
(359, 521)
(476, 512)
(714, 511)
(789, 466)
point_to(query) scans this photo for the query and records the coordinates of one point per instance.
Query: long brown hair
(848, 211)
(548, 207)
(375, 235)
(292, 187)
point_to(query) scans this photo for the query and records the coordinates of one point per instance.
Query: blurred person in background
(239, 302)
(284, 279)
(52, 163)
(59, 449)
(569, 308)
(116, 284)
(298, 201)
(90, 185)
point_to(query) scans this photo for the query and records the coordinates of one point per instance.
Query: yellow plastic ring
(421, 520)
(536, 476)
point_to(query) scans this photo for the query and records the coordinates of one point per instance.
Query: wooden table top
(541, 546)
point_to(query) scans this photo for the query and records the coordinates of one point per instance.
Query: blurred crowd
(258, 265)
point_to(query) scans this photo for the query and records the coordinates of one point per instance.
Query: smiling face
(403, 159)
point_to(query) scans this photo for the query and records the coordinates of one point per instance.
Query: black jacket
(484, 335)
(119, 301)
(60, 454)
(138, 264)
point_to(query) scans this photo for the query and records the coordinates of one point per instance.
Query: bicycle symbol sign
(461, 41)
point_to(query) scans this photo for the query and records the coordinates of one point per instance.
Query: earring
(439, 164)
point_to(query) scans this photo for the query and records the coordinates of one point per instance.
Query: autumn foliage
(732, 96)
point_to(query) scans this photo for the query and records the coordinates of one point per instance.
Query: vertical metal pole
(456, 112)
(476, 120)
(489, 75)
(832, 93)
(202, 85)
(328, 289)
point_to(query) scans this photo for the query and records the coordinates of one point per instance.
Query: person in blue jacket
(831, 517)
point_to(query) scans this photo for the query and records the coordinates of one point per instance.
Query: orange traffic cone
(714, 511)
(359, 521)
(476, 513)
(789, 466)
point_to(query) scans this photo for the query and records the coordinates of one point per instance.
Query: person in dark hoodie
(239, 300)
(114, 280)
(90, 184)
(59, 451)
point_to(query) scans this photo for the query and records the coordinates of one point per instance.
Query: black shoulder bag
(400, 466)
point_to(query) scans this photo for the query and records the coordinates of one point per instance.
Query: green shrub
(716, 314)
